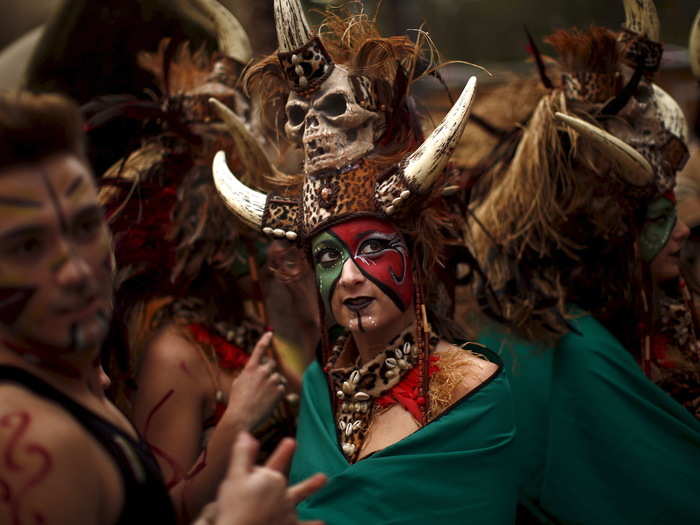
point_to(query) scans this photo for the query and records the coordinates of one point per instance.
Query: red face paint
(26, 460)
(381, 254)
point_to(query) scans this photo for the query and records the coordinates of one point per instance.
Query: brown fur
(593, 51)
(352, 40)
(187, 70)
(558, 225)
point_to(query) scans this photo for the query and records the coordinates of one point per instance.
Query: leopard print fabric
(332, 195)
(592, 87)
(281, 213)
(306, 68)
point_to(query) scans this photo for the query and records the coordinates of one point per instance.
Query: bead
(340, 394)
(303, 82)
(278, 232)
(348, 388)
(292, 236)
(299, 70)
(389, 210)
(405, 194)
(355, 377)
(267, 230)
(390, 362)
(396, 201)
(296, 59)
(361, 396)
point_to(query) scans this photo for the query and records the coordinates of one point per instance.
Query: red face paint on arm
(26, 462)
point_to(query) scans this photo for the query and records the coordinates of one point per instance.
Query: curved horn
(292, 28)
(248, 205)
(424, 165)
(248, 149)
(232, 38)
(635, 169)
(671, 114)
(694, 46)
(641, 17)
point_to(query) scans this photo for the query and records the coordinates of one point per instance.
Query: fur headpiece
(597, 148)
(360, 187)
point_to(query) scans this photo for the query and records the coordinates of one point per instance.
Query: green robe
(597, 441)
(457, 469)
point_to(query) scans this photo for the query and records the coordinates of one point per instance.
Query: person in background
(578, 239)
(69, 455)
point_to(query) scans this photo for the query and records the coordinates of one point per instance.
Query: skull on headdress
(336, 124)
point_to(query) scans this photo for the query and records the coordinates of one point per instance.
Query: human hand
(257, 389)
(252, 495)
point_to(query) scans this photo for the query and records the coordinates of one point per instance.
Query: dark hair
(36, 126)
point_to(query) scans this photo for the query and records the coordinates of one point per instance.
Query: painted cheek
(328, 278)
(13, 302)
(393, 270)
(655, 236)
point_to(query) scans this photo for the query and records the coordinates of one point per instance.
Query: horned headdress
(599, 146)
(350, 187)
(661, 150)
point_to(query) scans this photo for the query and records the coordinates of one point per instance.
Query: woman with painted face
(409, 422)
(191, 365)
(674, 357)
(578, 277)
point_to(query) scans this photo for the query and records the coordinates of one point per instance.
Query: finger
(268, 367)
(279, 459)
(275, 379)
(277, 382)
(259, 349)
(304, 489)
(245, 450)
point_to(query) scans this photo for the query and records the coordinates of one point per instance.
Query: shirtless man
(67, 455)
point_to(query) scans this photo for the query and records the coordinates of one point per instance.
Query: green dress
(597, 441)
(457, 469)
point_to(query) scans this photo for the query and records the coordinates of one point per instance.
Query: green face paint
(659, 223)
(329, 255)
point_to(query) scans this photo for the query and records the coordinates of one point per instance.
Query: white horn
(641, 17)
(694, 46)
(423, 166)
(292, 28)
(670, 113)
(232, 38)
(248, 205)
(634, 168)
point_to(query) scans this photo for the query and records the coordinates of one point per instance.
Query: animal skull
(331, 125)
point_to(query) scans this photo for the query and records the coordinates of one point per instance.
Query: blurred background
(87, 48)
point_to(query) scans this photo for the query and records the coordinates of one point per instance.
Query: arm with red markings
(173, 386)
(51, 471)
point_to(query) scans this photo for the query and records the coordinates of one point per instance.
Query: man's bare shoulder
(51, 470)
